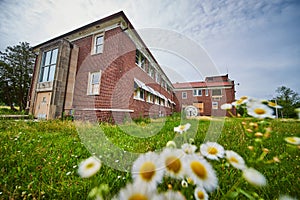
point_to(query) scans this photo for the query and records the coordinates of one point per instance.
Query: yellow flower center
(259, 111)
(138, 197)
(90, 165)
(199, 169)
(212, 150)
(173, 164)
(233, 160)
(292, 140)
(200, 195)
(244, 98)
(272, 104)
(147, 171)
(181, 127)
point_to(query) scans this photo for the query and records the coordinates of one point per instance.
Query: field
(39, 160)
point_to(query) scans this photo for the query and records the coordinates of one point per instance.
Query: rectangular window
(48, 65)
(184, 95)
(157, 77)
(98, 44)
(214, 105)
(216, 92)
(138, 94)
(197, 92)
(150, 71)
(150, 98)
(94, 83)
(140, 59)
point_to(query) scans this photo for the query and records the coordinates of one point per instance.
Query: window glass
(99, 44)
(216, 92)
(51, 73)
(94, 83)
(184, 95)
(54, 56)
(48, 65)
(47, 57)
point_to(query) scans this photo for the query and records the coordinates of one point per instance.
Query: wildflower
(273, 105)
(254, 177)
(188, 148)
(174, 162)
(89, 167)
(226, 106)
(235, 160)
(182, 128)
(68, 173)
(200, 194)
(258, 134)
(260, 111)
(251, 148)
(137, 191)
(212, 150)
(292, 140)
(241, 101)
(171, 144)
(202, 173)
(146, 169)
(171, 195)
(184, 184)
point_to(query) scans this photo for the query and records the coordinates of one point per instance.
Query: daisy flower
(226, 106)
(137, 191)
(200, 194)
(242, 100)
(273, 105)
(171, 195)
(174, 162)
(260, 111)
(188, 148)
(292, 140)
(254, 177)
(212, 150)
(147, 168)
(201, 172)
(235, 160)
(89, 167)
(182, 128)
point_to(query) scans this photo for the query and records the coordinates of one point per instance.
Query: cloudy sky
(256, 42)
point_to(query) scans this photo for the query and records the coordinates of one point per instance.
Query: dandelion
(202, 173)
(174, 162)
(260, 111)
(89, 167)
(254, 177)
(292, 140)
(146, 169)
(235, 160)
(182, 128)
(188, 148)
(226, 106)
(200, 194)
(137, 191)
(212, 150)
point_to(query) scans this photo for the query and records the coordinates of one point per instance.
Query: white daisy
(212, 150)
(182, 128)
(226, 106)
(274, 105)
(89, 167)
(171, 144)
(200, 194)
(235, 160)
(254, 177)
(188, 148)
(171, 195)
(260, 111)
(138, 191)
(242, 100)
(201, 172)
(147, 168)
(174, 162)
(293, 140)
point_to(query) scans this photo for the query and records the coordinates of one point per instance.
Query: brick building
(101, 71)
(207, 96)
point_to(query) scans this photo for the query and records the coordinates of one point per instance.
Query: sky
(256, 42)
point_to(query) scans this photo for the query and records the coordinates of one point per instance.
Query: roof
(201, 84)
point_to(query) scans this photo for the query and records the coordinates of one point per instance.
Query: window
(206, 92)
(94, 83)
(150, 71)
(214, 105)
(157, 77)
(48, 65)
(198, 92)
(140, 59)
(139, 94)
(184, 95)
(216, 92)
(99, 41)
(150, 98)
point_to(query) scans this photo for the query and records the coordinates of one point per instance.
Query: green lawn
(39, 160)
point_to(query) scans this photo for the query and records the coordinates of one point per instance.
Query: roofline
(118, 14)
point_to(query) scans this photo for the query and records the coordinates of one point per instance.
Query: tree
(288, 99)
(16, 68)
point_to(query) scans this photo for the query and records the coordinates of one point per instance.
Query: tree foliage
(289, 100)
(16, 68)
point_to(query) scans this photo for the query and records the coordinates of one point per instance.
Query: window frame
(184, 96)
(198, 92)
(95, 45)
(214, 105)
(90, 88)
(50, 73)
(140, 59)
(214, 95)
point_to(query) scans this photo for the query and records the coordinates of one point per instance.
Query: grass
(39, 160)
